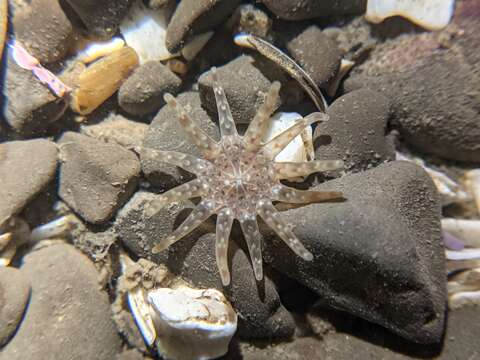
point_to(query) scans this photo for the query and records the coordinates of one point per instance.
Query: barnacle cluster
(239, 179)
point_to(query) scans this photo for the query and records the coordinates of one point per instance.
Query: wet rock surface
(318, 55)
(385, 239)
(42, 107)
(95, 178)
(165, 133)
(355, 131)
(26, 167)
(15, 292)
(100, 18)
(143, 91)
(194, 17)
(44, 29)
(309, 9)
(244, 84)
(64, 290)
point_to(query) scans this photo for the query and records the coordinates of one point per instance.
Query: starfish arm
(225, 118)
(253, 238)
(257, 128)
(271, 217)
(198, 215)
(223, 228)
(205, 143)
(185, 191)
(279, 142)
(294, 196)
(184, 161)
(286, 170)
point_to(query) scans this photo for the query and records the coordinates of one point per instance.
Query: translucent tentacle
(224, 225)
(279, 142)
(205, 143)
(185, 161)
(253, 238)
(285, 170)
(271, 217)
(225, 118)
(201, 213)
(294, 196)
(185, 191)
(258, 126)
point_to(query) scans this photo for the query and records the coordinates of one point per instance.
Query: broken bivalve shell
(145, 29)
(430, 14)
(102, 79)
(468, 231)
(472, 181)
(300, 148)
(191, 323)
(93, 50)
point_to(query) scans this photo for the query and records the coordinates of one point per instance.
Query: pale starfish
(238, 179)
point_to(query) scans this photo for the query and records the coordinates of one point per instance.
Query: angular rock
(29, 105)
(193, 258)
(142, 93)
(15, 292)
(44, 29)
(355, 131)
(68, 316)
(165, 133)
(194, 17)
(309, 9)
(318, 54)
(378, 255)
(26, 167)
(95, 178)
(117, 129)
(100, 17)
(245, 87)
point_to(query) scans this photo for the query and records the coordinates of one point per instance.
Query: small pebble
(95, 178)
(142, 93)
(44, 29)
(317, 54)
(310, 9)
(15, 292)
(193, 17)
(26, 167)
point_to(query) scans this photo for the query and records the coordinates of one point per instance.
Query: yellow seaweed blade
(102, 79)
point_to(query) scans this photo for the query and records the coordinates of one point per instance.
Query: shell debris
(91, 50)
(429, 14)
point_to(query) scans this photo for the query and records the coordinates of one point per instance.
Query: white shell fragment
(194, 46)
(93, 50)
(465, 254)
(144, 30)
(430, 14)
(301, 148)
(468, 231)
(141, 312)
(472, 180)
(191, 323)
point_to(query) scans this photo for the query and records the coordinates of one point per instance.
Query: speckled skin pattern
(238, 179)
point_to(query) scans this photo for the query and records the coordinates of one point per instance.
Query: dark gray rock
(309, 9)
(29, 105)
(244, 84)
(44, 29)
(26, 167)
(433, 88)
(95, 178)
(100, 17)
(355, 131)
(318, 54)
(68, 316)
(193, 258)
(165, 133)
(142, 93)
(194, 17)
(14, 295)
(378, 255)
